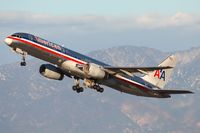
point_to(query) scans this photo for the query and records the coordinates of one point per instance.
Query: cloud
(178, 19)
(98, 23)
(183, 19)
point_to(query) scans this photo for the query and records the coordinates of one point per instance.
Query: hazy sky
(86, 25)
(101, 7)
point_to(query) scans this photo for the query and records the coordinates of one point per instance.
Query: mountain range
(32, 103)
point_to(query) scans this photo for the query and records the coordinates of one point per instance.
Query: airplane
(65, 62)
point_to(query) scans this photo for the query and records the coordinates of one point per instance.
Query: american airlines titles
(48, 44)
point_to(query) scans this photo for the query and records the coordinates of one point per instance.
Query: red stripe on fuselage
(45, 49)
(75, 60)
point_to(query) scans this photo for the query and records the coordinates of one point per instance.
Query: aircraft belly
(123, 87)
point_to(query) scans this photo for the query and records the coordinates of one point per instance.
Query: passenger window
(30, 37)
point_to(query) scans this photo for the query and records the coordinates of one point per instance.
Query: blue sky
(84, 26)
(102, 7)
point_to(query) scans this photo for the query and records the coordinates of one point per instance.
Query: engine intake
(51, 72)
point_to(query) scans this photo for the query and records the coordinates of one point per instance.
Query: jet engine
(88, 70)
(93, 71)
(51, 72)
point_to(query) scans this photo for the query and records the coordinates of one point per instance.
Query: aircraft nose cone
(8, 41)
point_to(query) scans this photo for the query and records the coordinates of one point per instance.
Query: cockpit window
(16, 35)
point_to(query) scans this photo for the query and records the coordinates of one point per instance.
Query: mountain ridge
(32, 103)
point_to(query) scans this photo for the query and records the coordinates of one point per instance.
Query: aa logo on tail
(160, 74)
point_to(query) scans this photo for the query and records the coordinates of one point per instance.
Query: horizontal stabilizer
(173, 91)
(135, 69)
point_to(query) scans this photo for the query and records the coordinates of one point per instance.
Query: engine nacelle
(51, 72)
(72, 68)
(89, 70)
(94, 71)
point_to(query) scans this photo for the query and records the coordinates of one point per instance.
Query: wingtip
(190, 92)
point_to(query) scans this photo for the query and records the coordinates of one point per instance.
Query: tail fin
(160, 77)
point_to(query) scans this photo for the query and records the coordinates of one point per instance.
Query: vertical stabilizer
(159, 78)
